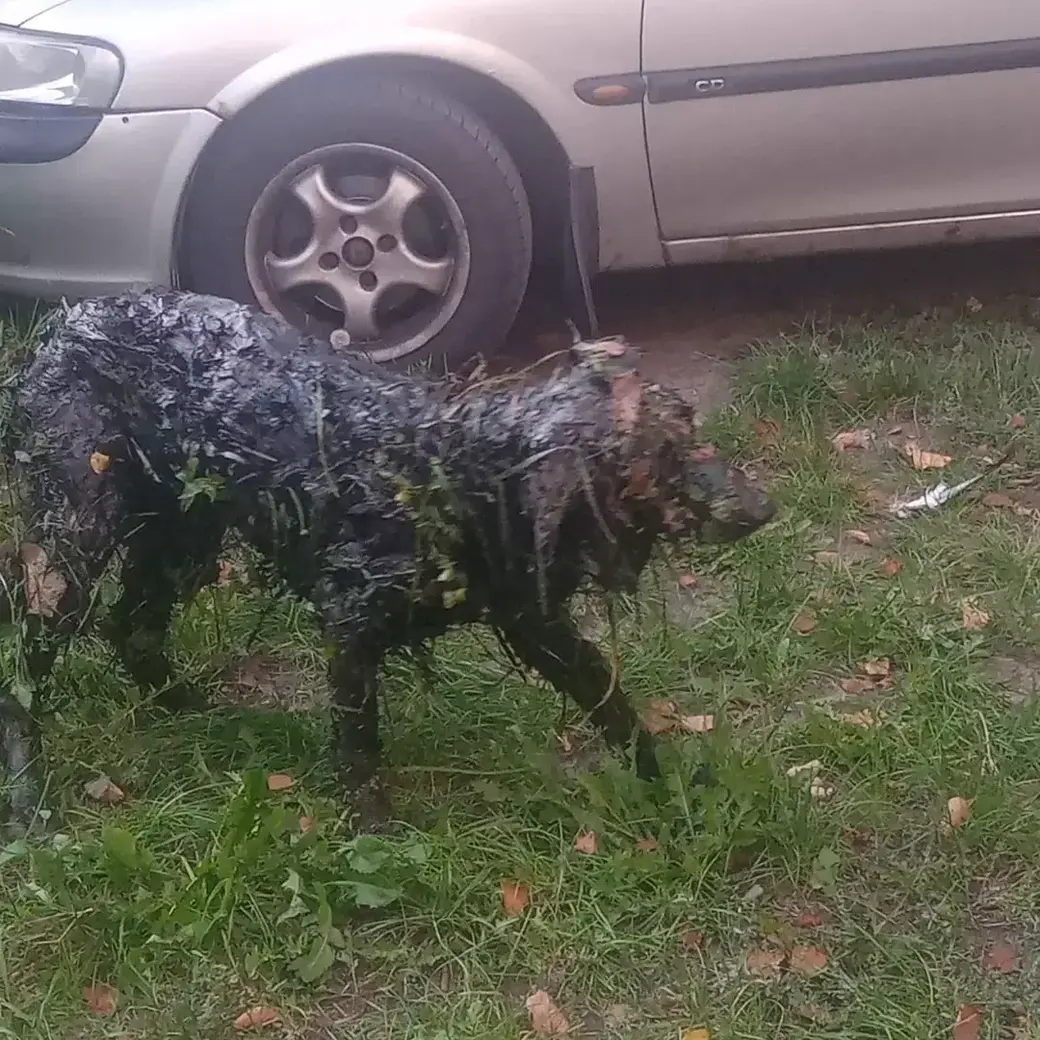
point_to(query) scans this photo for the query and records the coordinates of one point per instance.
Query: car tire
(430, 132)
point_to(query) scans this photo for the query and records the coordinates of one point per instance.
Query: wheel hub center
(358, 252)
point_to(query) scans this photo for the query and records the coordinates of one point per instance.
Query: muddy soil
(695, 322)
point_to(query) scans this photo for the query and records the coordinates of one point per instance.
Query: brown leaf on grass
(224, 571)
(968, 1024)
(807, 960)
(647, 845)
(100, 999)
(626, 398)
(804, 622)
(958, 811)
(306, 824)
(44, 587)
(586, 843)
(104, 791)
(279, 782)
(704, 453)
(973, 617)
(848, 440)
(767, 432)
(688, 581)
(890, 566)
(856, 686)
(808, 919)
(99, 462)
(546, 1018)
(877, 669)
(863, 537)
(1017, 422)
(697, 723)
(1000, 957)
(921, 459)
(692, 940)
(257, 1018)
(766, 964)
(998, 500)
(661, 717)
(515, 897)
(864, 719)
(859, 837)
(700, 1033)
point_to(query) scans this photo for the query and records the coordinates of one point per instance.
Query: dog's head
(671, 482)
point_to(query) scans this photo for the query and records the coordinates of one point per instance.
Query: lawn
(895, 661)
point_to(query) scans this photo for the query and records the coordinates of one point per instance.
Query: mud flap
(581, 250)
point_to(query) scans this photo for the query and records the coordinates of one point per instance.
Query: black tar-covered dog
(151, 423)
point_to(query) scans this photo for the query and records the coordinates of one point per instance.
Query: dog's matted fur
(398, 507)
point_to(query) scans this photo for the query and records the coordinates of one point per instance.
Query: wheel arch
(535, 147)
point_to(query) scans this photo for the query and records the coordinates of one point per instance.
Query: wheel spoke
(403, 266)
(359, 305)
(301, 269)
(386, 215)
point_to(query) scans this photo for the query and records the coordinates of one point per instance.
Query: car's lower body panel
(855, 237)
(105, 217)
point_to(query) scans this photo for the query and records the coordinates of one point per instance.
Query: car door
(778, 115)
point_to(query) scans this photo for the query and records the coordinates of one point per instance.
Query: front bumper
(105, 218)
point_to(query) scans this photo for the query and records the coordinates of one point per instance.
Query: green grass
(199, 896)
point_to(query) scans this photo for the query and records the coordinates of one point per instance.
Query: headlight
(57, 70)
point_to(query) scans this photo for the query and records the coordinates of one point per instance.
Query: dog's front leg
(554, 648)
(21, 760)
(354, 680)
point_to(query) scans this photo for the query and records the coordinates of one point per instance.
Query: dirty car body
(153, 422)
(140, 143)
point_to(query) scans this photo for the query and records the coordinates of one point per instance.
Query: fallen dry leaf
(1000, 957)
(515, 897)
(688, 581)
(921, 459)
(546, 1017)
(661, 717)
(647, 845)
(704, 453)
(104, 791)
(586, 843)
(808, 919)
(766, 964)
(998, 500)
(99, 462)
(306, 824)
(626, 396)
(100, 999)
(974, 305)
(890, 567)
(877, 669)
(828, 558)
(692, 940)
(958, 810)
(968, 1025)
(257, 1018)
(856, 686)
(1017, 422)
(224, 571)
(848, 440)
(697, 723)
(43, 587)
(859, 837)
(804, 622)
(972, 617)
(863, 719)
(696, 1034)
(279, 781)
(807, 960)
(863, 537)
(767, 431)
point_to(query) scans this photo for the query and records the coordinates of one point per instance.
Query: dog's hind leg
(556, 650)
(169, 558)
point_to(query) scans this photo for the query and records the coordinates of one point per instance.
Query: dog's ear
(609, 356)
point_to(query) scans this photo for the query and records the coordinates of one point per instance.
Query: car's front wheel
(385, 211)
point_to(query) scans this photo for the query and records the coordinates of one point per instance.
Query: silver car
(390, 175)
